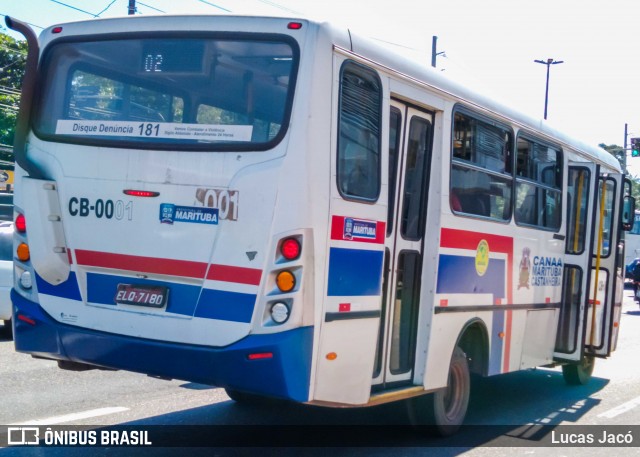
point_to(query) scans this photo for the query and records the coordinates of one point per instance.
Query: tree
(13, 56)
(616, 151)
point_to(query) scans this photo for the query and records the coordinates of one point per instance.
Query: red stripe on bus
(154, 265)
(242, 275)
(465, 239)
(183, 268)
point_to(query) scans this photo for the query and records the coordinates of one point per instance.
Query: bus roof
(422, 73)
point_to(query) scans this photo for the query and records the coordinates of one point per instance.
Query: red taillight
(56, 30)
(294, 25)
(141, 193)
(290, 249)
(21, 223)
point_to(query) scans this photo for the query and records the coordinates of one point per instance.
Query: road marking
(623, 408)
(75, 416)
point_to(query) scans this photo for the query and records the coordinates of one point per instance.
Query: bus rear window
(193, 93)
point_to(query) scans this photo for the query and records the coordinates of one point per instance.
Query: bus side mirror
(628, 213)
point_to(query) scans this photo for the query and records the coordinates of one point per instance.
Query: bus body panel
(212, 230)
(215, 269)
(287, 370)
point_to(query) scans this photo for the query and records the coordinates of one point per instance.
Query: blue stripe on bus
(497, 343)
(184, 299)
(226, 306)
(288, 370)
(67, 289)
(457, 275)
(354, 272)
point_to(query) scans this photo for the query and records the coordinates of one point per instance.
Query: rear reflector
(28, 320)
(260, 356)
(294, 25)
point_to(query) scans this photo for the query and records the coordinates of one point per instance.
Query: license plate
(133, 294)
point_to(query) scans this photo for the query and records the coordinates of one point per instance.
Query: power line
(9, 91)
(24, 53)
(215, 6)
(10, 65)
(151, 7)
(276, 5)
(73, 8)
(107, 7)
(11, 108)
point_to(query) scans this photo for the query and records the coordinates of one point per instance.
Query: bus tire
(444, 410)
(578, 374)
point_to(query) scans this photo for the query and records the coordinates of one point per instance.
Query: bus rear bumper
(281, 365)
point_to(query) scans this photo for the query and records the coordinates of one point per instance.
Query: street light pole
(434, 51)
(548, 63)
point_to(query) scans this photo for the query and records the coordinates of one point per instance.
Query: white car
(6, 275)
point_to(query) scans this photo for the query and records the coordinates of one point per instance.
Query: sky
(490, 45)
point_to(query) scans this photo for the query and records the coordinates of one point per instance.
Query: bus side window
(481, 177)
(538, 183)
(526, 210)
(359, 131)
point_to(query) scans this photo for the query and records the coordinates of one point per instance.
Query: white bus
(285, 209)
(632, 242)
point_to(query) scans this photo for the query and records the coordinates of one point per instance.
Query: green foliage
(615, 150)
(13, 56)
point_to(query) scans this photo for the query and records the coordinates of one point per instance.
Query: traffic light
(635, 147)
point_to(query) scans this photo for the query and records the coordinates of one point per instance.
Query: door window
(359, 130)
(416, 179)
(577, 210)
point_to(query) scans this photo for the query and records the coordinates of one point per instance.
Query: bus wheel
(580, 373)
(446, 409)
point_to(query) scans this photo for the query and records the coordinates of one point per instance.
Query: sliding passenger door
(411, 132)
(605, 294)
(348, 329)
(582, 192)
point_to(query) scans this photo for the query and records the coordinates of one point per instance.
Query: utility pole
(624, 152)
(132, 7)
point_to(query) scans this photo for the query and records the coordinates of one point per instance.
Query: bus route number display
(172, 56)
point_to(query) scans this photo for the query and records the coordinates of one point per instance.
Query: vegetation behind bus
(13, 56)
